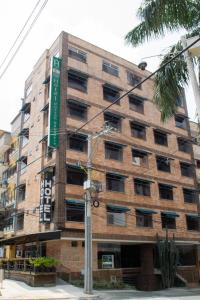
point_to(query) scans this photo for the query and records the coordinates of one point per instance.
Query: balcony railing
(5, 141)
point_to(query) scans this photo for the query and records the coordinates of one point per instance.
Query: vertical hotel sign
(45, 198)
(54, 103)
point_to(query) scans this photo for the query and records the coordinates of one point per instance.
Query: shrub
(43, 261)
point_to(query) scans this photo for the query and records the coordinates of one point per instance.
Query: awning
(112, 87)
(26, 106)
(146, 211)
(22, 158)
(78, 203)
(114, 115)
(116, 174)
(134, 96)
(78, 73)
(24, 131)
(115, 143)
(20, 186)
(73, 166)
(46, 107)
(170, 214)
(143, 180)
(116, 208)
(138, 123)
(47, 80)
(44, 138)
(77, 102)
(47, 169)
(167, 185)
(146, 152)
(33, 237)
(194, 217)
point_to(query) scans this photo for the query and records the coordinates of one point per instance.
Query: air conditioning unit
(137, 161)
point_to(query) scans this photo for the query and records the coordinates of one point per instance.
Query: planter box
(32, 279)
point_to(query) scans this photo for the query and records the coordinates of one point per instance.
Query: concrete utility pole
(192, 76)
(89, 186)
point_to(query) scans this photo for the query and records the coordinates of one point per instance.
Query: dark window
(179, 101)
(142, 187)
(77, 54)
(24, 136)
(136, 104)
(110, 68)
(187, 255)
(165, 191)
(110, 93)
(76, 110)
(184, 145)
(23, 164)
(116, 218)
(138, 130)
(163, 163)
(75, 212)
(139, 158)
(20, 221)
(133, 79)
(75, 176)
(77, 81)
(21, 192)
(26, 111)
(77, 142)
(168, 222)
(113, 120)
(198, 163)
(113, 151)
(190, 196)
(74, 243)
(160, 138)
(180, 122)
(192, 223)
(143, 220)
(186, 169)
(115, 183)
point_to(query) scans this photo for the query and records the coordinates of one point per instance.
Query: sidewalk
(18, 290)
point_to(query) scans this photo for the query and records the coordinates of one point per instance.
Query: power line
(20, 33)
(24, 38)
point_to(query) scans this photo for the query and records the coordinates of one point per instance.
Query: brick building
(146, 167)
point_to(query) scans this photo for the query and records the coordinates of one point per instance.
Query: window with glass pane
(113, 120)
(133, 79)
(75, 176)
(163, 164)
(77, 142)
(190, 196)
(25, 137)
(165, 191)
(136, 104)
(21, 192)
(113, 151)
(115, 183)
(138, 131)
(116, 218)
(143, 220)
(160, 138)
(20, 221)
(110, 68)
(77, 81)
(110, 94)
(180, 122)
(77, 54)
(77, 110)
(168, 222)
(186, 169)
(139, 158)
(142, 187)
(179, 101)
(75, 212)
(184, 145)
(192, 223)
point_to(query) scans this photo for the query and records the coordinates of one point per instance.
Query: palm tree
(157, 17)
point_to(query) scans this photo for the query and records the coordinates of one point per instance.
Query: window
(165, 191)
(180, 122)
(115, 182)
(184, 145)
(138, 130)
(116, 215)
(198, 163)
(143, 219)
(20, 221)
(77, 110)
(75, 211)
(28, 90)
(163, 163)
(77, 142)
(160, 138)
(26, 110)
(111, 93)
(21, 192)
(110, 68)
(168, 220)
(48, 151)
(113, 120)
(74, 243)
(142, 187)
(77, 80)
(136, 103)
(77, 54)
(75, 175)
(190, 196)
(139, 158)
(179, 101)
(23, 164)
(133, 79)
(113, 151)
(186, 169)
(24, 136)
(192, 222)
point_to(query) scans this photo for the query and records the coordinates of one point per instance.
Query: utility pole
(89, 186)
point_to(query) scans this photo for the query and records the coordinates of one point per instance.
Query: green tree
(158, 17)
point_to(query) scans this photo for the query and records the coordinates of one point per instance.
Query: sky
(103, 23)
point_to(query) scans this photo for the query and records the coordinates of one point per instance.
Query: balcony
(5, 141)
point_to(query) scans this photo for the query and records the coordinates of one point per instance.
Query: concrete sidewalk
(18, 290)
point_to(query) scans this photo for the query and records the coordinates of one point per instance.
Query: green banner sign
(54, 104)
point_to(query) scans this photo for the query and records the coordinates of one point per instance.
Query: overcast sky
(103, 23)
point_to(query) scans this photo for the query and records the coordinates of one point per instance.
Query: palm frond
(169, 82)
